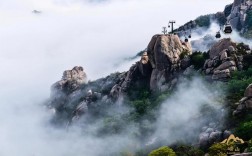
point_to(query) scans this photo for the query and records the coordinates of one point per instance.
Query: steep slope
(238, 14)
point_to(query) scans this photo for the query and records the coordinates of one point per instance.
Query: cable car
(228, 28)
(218, 35)
(186, 39)
(190, 34)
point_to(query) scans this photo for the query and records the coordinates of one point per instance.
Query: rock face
(157, 67)
(138, 74)
(164, 55)
(71, 80)
(238, 14)
(220, 46)
(245, 103)
(210, 134)
(223, 60)
(73, 96)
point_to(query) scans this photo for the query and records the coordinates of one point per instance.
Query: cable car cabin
(190, 36)
(186, 39)
(228, 29)
(218, 35)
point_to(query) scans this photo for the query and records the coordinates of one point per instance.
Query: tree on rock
(163, 151)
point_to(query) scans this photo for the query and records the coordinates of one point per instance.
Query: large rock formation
(158, 66)
(71, 80)
(226, 57)
(73, 96)
(246, 102)
(164, 54)
(223, 60)
(223, 44)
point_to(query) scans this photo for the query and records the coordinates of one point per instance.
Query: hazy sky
(35, 49)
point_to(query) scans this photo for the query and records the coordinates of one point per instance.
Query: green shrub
(184, 150)
(238, 83)
(218, 149)
(198, 59)
(163, 151)
(141, 106)
(250, 145)
(244, 131)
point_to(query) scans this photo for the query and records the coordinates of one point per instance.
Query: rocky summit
(158, 65)
(164, 54)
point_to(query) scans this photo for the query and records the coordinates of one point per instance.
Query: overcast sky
(36, 48)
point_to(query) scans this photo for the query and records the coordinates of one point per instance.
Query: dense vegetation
(218, 149)
(248, 23)
(245, 130)
(198, 59)
(238, 83)
(163, 151)
(203, 21)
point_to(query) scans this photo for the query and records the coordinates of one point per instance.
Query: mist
(204, 38)
(36, 48)
(182, 116)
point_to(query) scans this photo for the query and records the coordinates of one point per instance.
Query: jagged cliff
(157, 71)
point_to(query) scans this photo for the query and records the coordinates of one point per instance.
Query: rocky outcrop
(138, 75)
(71, 80)
(223, 44)
(210, 134)
(164, 54)
(245, 103)
(223, 60)
(157, 67)
(73, 96)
